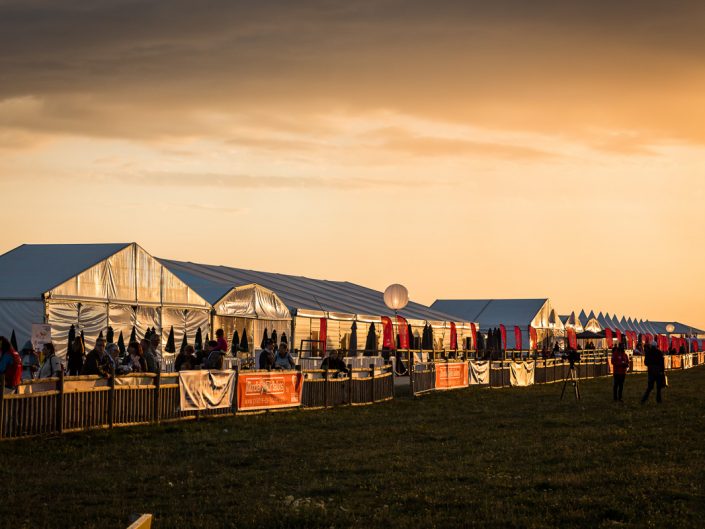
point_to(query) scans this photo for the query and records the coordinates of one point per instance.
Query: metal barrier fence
(67, 404)
(546, 371)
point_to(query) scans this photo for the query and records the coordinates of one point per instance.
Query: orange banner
(263, 390)
(451, 375)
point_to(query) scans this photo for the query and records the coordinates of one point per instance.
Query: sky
(464, 149)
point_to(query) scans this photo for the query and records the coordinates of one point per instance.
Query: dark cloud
(145, 69)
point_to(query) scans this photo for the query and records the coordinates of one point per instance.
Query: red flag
(619, 336)
(517, 338)
(703, 345)
(572, 338)
(533, 338)
(387, 334)
(695, 346)
(503, 333)
(649, 338)
(453, 337)
(674, 343)
(403, 332)
(630, 340)
(323, 333)
(473, 329)
(608, 338)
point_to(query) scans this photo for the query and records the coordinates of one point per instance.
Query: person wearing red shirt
(620, 364)
(220, 338)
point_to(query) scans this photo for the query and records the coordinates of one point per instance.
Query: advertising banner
(451, 375)
(269, 390)
(41, 334)
(206, 390)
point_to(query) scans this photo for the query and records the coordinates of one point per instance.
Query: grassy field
(476, 457)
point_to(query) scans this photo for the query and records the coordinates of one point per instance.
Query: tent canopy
(252, 301)
(302, 295)
(491, 312)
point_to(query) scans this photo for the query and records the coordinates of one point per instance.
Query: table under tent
(95, 287)
(324, 312)
(516, 315)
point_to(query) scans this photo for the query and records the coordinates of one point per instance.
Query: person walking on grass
(620, 364)
(653, 358)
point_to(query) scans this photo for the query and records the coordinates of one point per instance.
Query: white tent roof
(120, 273)
(491, 312)
(252, 301)
(300, 294)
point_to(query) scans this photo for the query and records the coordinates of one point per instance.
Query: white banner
(41, 334)
(687, 361)
(206, 390)
(480, 372)
(521, 373)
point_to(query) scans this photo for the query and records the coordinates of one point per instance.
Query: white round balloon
(670, 328)
(396, 296)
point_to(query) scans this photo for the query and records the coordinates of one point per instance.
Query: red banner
(473, 329)
(517, 338)
(674, 343)
(619, 336)
(694, 348)
(649, 339)
(403, 332)
(608, 338)
(388, 341)
(533, 338)
(572, 339)
(702, 345)
(503, 333)
(453, 337)
(260, 390)
(323, 334)
(451, 375)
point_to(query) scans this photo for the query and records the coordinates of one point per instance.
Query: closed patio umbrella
(133, 335)
(72, 336)
(371, 341)
(13, 340)
(244, 344)
(198, 342)
(274, 337)
(170, 346)
(184, 343)
(352, 348)
(283, 338)
(121, 344)
(265, 337)
(234, 343)
(110, 335)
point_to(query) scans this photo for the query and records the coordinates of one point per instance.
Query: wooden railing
(66, 404)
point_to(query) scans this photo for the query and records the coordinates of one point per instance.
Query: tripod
(573, 379)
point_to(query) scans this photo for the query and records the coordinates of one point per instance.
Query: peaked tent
(94, 286)
(490, 313)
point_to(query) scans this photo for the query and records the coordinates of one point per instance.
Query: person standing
(653, 358)
(97, 362)
(620, 364)
(76, 357)
(30, 361)
(266, 357)
(52, 365)
(10, 364)
(220, 338)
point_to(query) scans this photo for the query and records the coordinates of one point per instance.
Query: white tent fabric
(252, 301)
(91, 286)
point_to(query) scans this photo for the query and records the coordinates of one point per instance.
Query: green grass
(488, 458)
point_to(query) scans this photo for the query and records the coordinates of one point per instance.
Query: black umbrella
(184, 343)
(110, 335)
(480, 345)
(353, 339)
(147, 334)
(371, 341)
(424, 337)
(234, 343)
(208, 338)
(265, 337)
(283, 338)
(198, 343)
(133, 335)
(170, 346)
(274, 337)
(72, 336)
(430, 338)
(121, 344)
(411, 337)
(100, 335)
(244, 344)
(83, 340)
(13, 340)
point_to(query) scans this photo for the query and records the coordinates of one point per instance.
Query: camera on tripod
(572, 356)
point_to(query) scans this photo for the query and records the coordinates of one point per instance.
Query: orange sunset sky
(464, 149)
